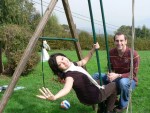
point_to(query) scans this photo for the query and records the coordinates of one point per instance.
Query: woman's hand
(96, 46)
(89, 55)
(46, 94)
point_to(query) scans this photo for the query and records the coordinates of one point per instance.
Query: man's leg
(124, 86)
(103, 76)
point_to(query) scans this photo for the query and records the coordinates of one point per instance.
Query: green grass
(25, 101)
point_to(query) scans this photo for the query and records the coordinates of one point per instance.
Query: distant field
(24, 101)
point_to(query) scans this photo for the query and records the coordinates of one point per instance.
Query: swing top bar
(55, 38)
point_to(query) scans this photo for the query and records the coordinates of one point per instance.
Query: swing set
(36, 36)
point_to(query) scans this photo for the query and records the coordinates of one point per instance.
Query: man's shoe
(119, 110)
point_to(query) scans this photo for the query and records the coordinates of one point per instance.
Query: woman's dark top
(86, 91)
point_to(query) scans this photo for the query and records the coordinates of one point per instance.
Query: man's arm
(112, 76)
(136, 61)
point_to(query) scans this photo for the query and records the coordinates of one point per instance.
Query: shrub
(15, 39)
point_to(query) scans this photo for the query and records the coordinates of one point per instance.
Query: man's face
(120, 42)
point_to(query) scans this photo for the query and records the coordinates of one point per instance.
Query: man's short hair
(119, 33)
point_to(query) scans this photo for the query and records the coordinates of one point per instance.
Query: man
(120, 60)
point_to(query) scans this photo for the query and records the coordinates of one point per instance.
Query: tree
(16, 12)
(137, 32)
(127, 30)
(85, 40)
(53, 27)
(145, 32)
(66, 27)
(34, 20)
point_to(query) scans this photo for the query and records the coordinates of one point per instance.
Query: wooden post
(72, 28)
(27, 54)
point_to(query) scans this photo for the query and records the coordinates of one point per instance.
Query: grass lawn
(25, 101)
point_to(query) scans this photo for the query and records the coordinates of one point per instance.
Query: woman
(87, 90)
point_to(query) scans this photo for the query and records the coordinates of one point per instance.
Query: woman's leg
(109, 94)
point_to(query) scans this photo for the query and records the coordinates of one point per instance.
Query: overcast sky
(117, 13)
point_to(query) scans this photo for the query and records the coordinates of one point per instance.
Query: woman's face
(63, 62)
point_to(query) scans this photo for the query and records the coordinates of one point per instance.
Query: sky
(117, 13)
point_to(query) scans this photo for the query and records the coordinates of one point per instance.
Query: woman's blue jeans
(123, 85)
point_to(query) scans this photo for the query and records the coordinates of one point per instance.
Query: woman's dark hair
(54, 66)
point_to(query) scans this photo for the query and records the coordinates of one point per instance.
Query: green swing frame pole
(106, 38)
(43, 76)
(94, 37)
(102, 105)
(55, 38)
